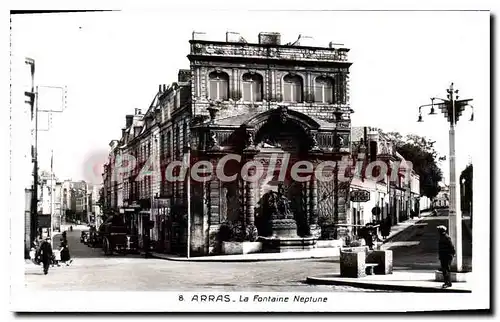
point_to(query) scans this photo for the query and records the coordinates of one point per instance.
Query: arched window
(252, 87)
(292, 88)
(323, 90)
(218, 86)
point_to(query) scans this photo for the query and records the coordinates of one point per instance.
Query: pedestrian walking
(385, 227)
(45, 255)
(376, 213)
(446, 254)
(65, 256)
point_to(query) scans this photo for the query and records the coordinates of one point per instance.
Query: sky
(113, 62)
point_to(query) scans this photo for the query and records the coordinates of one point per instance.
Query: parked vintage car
(84, 237)
(94, 239)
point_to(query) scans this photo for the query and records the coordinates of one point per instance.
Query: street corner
(415, 282)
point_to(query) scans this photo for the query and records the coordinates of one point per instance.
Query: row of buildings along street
(255, 100)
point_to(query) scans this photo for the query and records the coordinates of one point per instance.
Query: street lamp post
(452, 108)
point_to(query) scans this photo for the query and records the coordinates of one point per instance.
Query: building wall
(175, 108)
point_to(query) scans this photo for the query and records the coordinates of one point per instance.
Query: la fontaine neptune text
(202, 298)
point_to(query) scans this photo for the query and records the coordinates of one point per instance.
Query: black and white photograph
(206, 157)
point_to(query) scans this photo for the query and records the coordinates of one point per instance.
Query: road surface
(417, 247)
(92, 271)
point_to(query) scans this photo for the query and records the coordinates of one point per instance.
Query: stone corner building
(254, 100)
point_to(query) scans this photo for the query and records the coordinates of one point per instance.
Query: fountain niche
(282, 226)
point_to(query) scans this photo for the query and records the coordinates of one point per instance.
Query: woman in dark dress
(65, 257)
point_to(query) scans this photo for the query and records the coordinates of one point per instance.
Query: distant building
(443, 197)
(395, 194)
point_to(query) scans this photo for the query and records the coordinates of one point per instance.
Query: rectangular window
(318, 94)
(214, 93)
(162, 144)
(184, 134)
(296, 93)
(247, 92)
(327, 94)
(292, 92)
(287, 92)
(168, 147)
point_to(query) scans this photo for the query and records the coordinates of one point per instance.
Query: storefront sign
(360, 196)
(43, 221)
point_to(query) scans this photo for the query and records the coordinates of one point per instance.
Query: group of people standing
(43, 253)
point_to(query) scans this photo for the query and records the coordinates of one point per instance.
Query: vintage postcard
(189, 158)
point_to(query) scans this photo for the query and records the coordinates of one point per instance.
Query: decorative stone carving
(339, 141)
(251, 233)
(314, 141)
(212, 141)
(246, 50)
(277, 208)
(269, 142)
(212, 110)
(283, 114)
(250, 141)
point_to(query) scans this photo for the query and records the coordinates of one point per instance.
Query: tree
(420, 151)
(466, 188)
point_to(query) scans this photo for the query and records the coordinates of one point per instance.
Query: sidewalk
(306, 254)
(256, 257)
(405, 281)
(401, 226)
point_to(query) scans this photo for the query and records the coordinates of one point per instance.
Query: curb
(384, 287)
(239, 260)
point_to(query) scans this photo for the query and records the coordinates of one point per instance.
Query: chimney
(159, 88)
(233, 36)
(164, 87)
(334, 45)
(198, 35)
(373, 144)
(128, 120)
(123, 132)
(270, 38)
(184, 75)
(137, 111)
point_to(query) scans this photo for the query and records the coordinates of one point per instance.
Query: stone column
(212, 191)
(341, 214)
(250, 200)
(314, 228)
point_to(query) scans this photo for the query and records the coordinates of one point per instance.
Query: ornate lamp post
(452, 109)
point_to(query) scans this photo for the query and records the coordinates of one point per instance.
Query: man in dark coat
(446, 254)
(45, 255)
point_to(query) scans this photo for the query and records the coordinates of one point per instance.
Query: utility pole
(51, 193)
(33, 101)
(452, 108)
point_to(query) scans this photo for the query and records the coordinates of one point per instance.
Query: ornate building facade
(267, 103)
